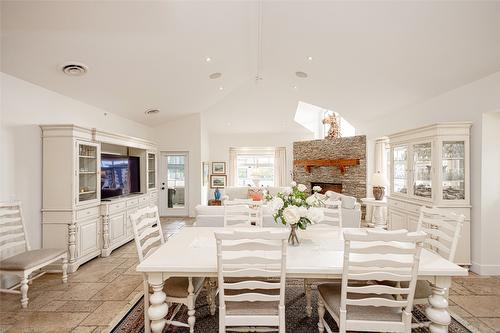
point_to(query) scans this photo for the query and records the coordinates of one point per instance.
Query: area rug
(296, 319)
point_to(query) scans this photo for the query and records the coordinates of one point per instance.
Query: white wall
(181, 135)
(467, 103)
(490, 193)
(24, 106)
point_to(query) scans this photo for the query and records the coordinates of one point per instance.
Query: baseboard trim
(485, 269)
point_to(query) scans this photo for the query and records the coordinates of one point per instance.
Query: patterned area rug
(296, 319)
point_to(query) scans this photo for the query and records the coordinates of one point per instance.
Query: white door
(174, 184)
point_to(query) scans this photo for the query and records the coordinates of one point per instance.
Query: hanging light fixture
(258, 76)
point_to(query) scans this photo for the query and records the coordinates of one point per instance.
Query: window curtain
(280, 166)
(233, 157)
(380, 157)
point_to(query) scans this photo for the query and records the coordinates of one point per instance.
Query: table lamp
(379, 183)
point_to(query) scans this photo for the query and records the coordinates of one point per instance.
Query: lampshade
(378, 180)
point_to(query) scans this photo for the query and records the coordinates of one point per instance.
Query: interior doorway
(174, 198)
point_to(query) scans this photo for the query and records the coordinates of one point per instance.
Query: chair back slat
(148, 234)
(251, 255)
(444, 228)
(251, 212)
(13, 238)
(395, 259)
(237, 215)
(332, 213)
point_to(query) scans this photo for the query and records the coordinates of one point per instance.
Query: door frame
(163, 195)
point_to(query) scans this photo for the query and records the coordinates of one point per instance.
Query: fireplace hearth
(335, 187)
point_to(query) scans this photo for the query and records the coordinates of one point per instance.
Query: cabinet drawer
(396, 204)
(87, 213)
(143, 199)
(413, 208)
(115, 207)
(154, 196)
(132, 202)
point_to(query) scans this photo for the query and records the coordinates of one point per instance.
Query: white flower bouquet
(295, 208)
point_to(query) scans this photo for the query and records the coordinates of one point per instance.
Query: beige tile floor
(102, 291)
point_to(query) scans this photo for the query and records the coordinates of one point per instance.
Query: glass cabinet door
(151, 170)
(453, 157)
(422, 165)
(400, 169)
(87, 172)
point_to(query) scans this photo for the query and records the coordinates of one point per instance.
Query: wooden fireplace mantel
(342, 164)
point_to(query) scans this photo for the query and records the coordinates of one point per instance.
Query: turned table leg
(308, 291)
(158, 309)
(437, 311)
(211, 293)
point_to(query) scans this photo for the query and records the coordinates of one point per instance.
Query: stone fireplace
(334, 164)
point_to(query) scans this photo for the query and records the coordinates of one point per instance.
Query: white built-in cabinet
(73, 215)
(430, 166)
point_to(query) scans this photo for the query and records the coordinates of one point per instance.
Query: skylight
(311, 117)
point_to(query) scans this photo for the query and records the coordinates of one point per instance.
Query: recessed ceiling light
(221, 88)
(302, 75)
(215, 75)
(208, 59)
(295, 87)
(74, 68)
(151, 112)
(309, 58)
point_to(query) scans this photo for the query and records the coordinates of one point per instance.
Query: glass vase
(293, 239)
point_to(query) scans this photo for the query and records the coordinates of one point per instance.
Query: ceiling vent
(74, 69)
(301, 75)
(214, 76)
(151, 112)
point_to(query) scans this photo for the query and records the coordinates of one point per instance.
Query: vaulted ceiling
(368, 58)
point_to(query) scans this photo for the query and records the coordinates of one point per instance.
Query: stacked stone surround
(353, 180)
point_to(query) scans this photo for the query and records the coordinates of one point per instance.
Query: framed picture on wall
(205, 169)
(218, 181)
(218, 168)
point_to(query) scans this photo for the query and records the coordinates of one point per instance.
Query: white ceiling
(369, 58)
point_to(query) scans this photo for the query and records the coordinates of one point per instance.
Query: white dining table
(192, 253)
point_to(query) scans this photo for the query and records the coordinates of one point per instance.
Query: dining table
(191, 252)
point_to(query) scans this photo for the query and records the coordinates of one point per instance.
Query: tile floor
(102, 291)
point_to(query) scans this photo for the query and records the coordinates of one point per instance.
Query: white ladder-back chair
(332, 217)
(148, 237)
(251, 266)
(373, 255)
(16, 256)
(443, 229)
(256, 210)
(332, 214)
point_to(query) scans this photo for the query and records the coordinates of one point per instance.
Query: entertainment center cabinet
(73, 214)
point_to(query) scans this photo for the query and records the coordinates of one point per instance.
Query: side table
(213, 202)
(378, 219)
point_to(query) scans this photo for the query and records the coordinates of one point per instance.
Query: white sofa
(213, 216)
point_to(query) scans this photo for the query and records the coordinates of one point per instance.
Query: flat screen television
(119, 175)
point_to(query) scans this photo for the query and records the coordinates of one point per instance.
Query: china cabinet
(430, 166)
(71, 193)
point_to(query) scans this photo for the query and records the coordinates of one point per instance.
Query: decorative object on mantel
(334, 130)
(342, 164)
(217, 194)
(295, 208)
(219, 168)
(379, 183)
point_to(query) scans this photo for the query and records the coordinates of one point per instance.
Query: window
(257, 166)
(256, 170)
